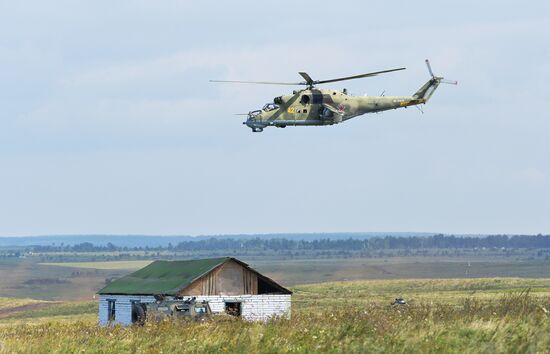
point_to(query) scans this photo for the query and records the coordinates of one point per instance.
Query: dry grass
(9, 303)
(337, 317)
(103, 265)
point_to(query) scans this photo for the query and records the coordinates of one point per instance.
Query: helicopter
(319, 107)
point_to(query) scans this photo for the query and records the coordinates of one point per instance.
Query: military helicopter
(314, 107)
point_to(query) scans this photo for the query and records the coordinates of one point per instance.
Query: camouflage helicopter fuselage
(327, 107)
(313, 106)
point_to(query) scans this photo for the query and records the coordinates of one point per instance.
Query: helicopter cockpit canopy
(253, 114)
(269, 107)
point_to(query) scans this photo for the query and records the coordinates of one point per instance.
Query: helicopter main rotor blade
(309, 80)
(261, 82)
(357, 76)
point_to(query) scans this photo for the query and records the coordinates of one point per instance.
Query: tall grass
(514, 322)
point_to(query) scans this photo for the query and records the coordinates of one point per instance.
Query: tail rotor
(439, 79)
(428, 89)
(430, 68)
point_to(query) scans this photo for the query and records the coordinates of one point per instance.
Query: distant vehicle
(166, 309)
(312, 106)
(399, 301)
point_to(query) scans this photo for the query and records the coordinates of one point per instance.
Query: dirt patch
(381, 270)
(5, 312)
(45, 281)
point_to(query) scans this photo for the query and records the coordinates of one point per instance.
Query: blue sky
(109, 123)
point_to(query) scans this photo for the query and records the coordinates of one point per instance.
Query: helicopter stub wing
(338, 114)
(332, 108)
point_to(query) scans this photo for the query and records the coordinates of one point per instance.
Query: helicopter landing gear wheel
(257, 130)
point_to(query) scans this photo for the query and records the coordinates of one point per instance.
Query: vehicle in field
(399, 301)
(163, 309)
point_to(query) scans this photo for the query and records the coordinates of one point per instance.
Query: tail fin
(428, 89)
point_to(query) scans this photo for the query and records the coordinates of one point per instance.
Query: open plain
(442, 315)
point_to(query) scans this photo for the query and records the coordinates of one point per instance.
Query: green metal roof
(162, 277)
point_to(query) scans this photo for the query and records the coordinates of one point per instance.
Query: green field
(34, 278)
(130, 265)
(472, 303)
(444, 315)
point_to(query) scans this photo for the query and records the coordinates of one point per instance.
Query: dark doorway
(233, 308)
(138, 313)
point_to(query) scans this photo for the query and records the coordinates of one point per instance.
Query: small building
(229, 286)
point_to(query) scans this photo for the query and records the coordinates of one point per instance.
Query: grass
(29, 311)
(452, 316)
(58, 309)
(299, 271)
(49, 278)
(103, 265)
(8, 303)
(442, 291)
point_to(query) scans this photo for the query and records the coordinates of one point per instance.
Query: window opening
(111, 310)
(233, 308)
(182, 308)
(269, 107)
(200, 309)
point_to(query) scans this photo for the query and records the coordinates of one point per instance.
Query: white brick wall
(123, 307)
(253, 307)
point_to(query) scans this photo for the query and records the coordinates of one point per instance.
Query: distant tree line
(280, 244)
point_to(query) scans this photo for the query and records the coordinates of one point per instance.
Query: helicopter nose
(249, 123)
